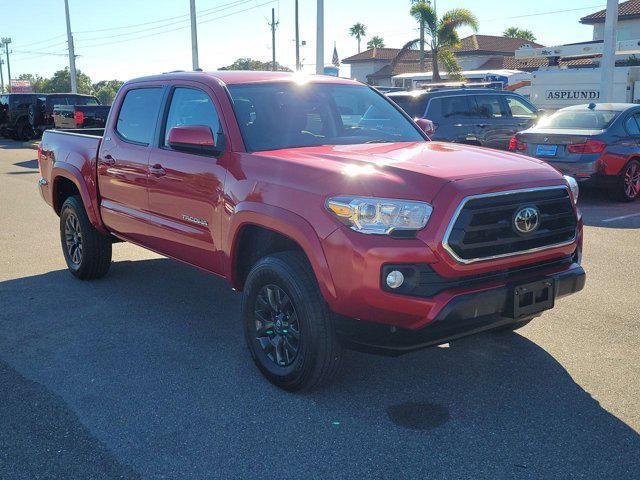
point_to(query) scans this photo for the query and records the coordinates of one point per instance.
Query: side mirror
(540, 113)
(427, 126)
(193, 138)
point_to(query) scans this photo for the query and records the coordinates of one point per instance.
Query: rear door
(186, 189)
(493, 123)
(123, 161)
(452, 118)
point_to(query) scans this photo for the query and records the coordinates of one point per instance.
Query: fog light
(395, 279)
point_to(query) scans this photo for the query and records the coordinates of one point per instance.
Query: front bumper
(464, 315)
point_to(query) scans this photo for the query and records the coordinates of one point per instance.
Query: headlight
(573, 185)
(380, 215)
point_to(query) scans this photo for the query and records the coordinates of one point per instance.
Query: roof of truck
(231, 77)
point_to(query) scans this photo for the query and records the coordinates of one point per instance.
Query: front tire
(86, 251)
(288, 325)
(627, 187)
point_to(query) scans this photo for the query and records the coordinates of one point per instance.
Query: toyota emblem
(526, 220)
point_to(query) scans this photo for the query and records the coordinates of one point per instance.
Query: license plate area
(546, 150)
(532, 298)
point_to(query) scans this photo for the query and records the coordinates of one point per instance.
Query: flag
(335, 60)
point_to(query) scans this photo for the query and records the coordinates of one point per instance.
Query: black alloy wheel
(73, 238)
(277, 326)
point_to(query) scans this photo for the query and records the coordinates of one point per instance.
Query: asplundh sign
(572, 94)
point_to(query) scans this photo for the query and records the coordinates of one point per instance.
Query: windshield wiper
(378, 141)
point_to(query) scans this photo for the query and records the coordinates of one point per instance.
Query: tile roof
(473, 44)
(626, 10)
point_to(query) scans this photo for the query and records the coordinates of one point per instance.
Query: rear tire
(86, 251)
(24, 131)
(288, 326)
(627, 187)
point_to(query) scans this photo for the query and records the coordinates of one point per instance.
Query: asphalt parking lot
(144, 374)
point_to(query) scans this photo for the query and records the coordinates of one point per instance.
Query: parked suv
(41, 112)
(476, 116)
(14, 115)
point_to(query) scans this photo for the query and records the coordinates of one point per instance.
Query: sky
(123, 39)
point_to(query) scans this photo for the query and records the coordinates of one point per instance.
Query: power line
(184, 17)
(544, 13)
(28, 52)
(174, 29)
(44, 41)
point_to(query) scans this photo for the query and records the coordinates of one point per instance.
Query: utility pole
(273, 39)
(320, 39)
(297, 40)
(6, 41)
(608, 61)
(72, 53)
(1, 74)
(194, 36)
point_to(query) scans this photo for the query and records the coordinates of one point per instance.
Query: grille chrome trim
(456, 214)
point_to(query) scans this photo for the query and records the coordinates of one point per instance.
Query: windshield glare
(579, 119)
(286, 115)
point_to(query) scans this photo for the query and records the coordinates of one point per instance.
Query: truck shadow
(152, 361)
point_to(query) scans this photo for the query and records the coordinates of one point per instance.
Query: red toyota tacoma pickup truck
(325, 204)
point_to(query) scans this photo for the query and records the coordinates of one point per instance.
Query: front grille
(484, 227)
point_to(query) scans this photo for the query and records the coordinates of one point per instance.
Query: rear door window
(519, 109)
(633, 124)
(489, 106)
(138, 114)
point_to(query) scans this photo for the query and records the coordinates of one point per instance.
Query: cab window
(488, 106)
(191, 107)
(138, 114)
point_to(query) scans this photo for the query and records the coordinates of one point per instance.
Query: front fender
(286, 223)
(72, 173)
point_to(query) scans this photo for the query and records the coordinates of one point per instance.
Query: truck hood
(416, 170)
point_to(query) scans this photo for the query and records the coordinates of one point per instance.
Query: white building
(628, 21)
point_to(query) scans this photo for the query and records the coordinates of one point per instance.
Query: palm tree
(358, 31)
(442, 32)
(515, 32)
(375, 42)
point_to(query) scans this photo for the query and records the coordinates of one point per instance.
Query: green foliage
(60, 82)
(443, 31)
(448, 61)
(251, 64)
(358, 30)
(515, 32)
(375, 42)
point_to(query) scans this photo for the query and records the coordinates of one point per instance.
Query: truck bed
(73, 152)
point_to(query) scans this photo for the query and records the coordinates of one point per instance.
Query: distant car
(476, 116)
(14, 115)
(41, 112)
(597, 144)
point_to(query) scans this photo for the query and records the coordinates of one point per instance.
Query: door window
(138, 114)
(192, 107)
(488, 106)
(633, 124)
(519, 109)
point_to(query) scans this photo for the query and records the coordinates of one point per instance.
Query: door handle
(157, 170)
(108, 160)
(482, 125)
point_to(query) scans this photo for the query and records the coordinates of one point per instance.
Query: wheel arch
(283, 230)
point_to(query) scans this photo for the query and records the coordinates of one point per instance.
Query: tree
(442, 32)
(60, 82)
(251, 64)
(515, 32)
(106, 90)
(375, 42)
(358, 31)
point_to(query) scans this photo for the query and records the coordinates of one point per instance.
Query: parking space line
(622, 217)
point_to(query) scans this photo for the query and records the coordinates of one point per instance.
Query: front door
(123, 163)
(186, 189)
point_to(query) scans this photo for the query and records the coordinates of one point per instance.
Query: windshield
(85, 101)
(579, 119)
(286, 115)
